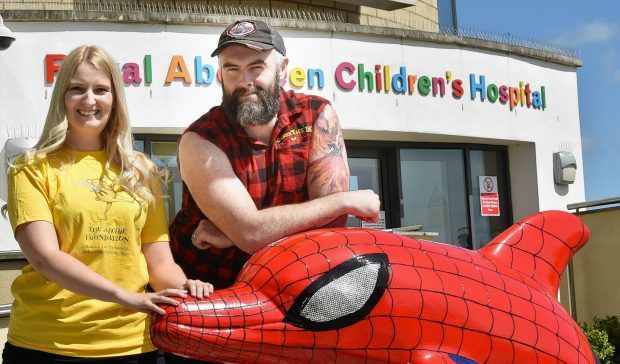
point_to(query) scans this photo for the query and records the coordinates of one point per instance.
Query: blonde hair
(137, 174)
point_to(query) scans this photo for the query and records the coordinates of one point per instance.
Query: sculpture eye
(342, 296)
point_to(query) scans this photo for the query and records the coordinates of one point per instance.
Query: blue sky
(593, 28)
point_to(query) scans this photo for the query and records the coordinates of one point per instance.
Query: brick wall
(423, 16)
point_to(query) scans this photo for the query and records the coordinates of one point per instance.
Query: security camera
(6, 36)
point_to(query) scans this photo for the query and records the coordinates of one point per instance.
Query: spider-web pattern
(496, 305)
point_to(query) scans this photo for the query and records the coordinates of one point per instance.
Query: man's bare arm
(328, 170)
(220, 195)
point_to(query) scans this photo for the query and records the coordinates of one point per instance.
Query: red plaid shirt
(273, 174)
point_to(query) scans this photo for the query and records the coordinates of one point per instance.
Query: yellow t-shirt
(101, 225)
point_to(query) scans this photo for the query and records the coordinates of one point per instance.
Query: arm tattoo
(328, 136)
(328, 170)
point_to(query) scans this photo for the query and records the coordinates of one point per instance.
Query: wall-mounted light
(564, 168)
(16, 146)
(6, 36)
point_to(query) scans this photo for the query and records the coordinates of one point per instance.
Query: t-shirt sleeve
(28, 198)
(156, 225)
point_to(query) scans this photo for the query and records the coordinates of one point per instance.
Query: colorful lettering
(51, 66)
(386, 75)
(148, 69)
(503, 94)
(536, 100)
(513, 93)
(424, 85)
(492, 92)
(297, 77)
(345, 67)
(399, 81)
(318, 74)
(412, 79)
(477, 86)
(382, 80)
(131, 73)
(363, 78)
(178, 70)
(200, 71)
(439, 85)
(457, 88)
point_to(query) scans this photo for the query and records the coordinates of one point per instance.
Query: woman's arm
(165, 273)
(39, 244)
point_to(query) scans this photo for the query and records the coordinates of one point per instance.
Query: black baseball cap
(254, 34)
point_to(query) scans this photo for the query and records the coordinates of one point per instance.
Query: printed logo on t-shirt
(104, 191)
(101, 238)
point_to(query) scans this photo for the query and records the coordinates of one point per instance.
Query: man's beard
(252, 112)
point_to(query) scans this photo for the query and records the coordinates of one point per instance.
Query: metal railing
(606, 202)
(511, 39)
(181, 7)
(267, 11)
(11, 255)
(5, 310)
(593, 203)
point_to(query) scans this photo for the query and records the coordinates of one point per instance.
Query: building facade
(456, 134)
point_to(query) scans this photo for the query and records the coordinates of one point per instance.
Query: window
(435, 186)
(369, 169)
(162, 150)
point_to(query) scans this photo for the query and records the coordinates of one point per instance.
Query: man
(263, 165)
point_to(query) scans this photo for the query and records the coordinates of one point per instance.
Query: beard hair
(252, 112)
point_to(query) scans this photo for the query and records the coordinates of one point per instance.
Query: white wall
(24, 95)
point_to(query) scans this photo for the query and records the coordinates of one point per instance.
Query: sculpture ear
(342, 296)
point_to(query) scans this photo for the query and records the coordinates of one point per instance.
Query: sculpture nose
(225, 309)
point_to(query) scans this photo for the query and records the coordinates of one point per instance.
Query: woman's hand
(145, 302)
(197, 288)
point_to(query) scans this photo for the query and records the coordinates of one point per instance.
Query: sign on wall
(362, 77)
(489, 198)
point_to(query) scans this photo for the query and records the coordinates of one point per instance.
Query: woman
(87, 213)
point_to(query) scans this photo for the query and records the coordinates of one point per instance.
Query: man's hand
(207, 235)
(364, 204)
(197, 288)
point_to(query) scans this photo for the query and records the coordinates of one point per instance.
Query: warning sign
(379, 225)
(489, 198)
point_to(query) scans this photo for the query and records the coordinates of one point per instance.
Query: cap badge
(242, 29)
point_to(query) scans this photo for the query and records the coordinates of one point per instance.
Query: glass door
(489, 198)
(433, 193)
(365, 174)
(369, 170)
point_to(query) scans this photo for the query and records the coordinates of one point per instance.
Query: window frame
(392, 183)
